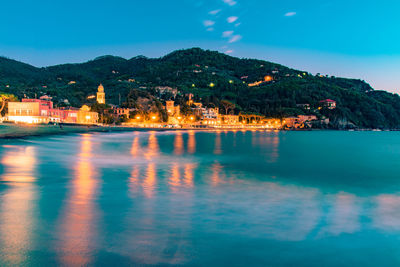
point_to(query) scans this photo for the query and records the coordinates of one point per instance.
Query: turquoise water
(189, 198)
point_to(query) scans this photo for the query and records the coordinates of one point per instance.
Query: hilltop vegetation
(211, 77)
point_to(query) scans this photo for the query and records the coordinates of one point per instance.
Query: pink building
(42, 111)
(328, 103)
(69, 115)
(45, 106)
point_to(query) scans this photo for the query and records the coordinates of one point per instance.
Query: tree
(4, 99)
(228, 106)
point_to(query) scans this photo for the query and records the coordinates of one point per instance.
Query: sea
(201, 198)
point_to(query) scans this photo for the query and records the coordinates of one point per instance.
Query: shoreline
(19, 131)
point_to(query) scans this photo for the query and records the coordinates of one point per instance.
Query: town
(195, 114)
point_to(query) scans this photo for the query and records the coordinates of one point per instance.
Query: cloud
(232, 19)
(238, 24)
(235, 38)
(208, 23)
(226, 34)
(290, 14)
(229, 51)
(214, 12)
(211, 29)
(230, 2)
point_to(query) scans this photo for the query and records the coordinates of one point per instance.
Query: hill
(254, 86)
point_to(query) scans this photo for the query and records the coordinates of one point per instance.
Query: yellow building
(174, 112)
(101, 96)
(29, 111)
(230, 119)
(85, 116)
(23, 109)
(172, 109)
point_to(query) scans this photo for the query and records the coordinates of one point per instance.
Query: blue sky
(349, 38)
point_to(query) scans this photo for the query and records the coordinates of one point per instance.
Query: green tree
(228, 106)
(4, 99)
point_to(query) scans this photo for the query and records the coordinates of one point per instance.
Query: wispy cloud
(230, 51)
(290, 14)
(235, 38)
(238, 24)
(214, 12)
(226, 34)
(230, 2)
(211, 29)
(232, 19)
(208, 23)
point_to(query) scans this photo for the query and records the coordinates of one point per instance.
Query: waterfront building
(174, 112)
(291, 122)
(101, 95)
(304, 118)
(172, 109)
(230, 119)
(300, 121)
(118, 112)
(208, 116)
(42, 111)
(30, 111)
(210, 113)
(70, 115)
(85, 116)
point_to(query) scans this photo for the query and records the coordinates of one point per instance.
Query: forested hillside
(211, 77)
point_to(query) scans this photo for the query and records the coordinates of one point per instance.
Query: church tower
(101, 96)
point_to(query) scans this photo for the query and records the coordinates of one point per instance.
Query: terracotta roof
(327, 100)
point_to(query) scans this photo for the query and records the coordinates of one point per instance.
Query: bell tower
(101, 96)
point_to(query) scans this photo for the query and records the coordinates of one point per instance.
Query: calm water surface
(201, 199)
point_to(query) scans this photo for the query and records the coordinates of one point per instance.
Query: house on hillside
(304, 106)
(328, 103)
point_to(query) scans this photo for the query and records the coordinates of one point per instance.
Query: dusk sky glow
(355, 39)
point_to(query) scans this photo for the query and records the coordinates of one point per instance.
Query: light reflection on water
(78, 223)
(17, 205)
(201, 197)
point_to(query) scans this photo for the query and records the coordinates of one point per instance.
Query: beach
(9, 131)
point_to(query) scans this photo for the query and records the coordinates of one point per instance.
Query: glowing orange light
(255, 84)
(268, 78)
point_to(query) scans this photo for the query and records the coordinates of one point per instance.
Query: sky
(347, 38)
